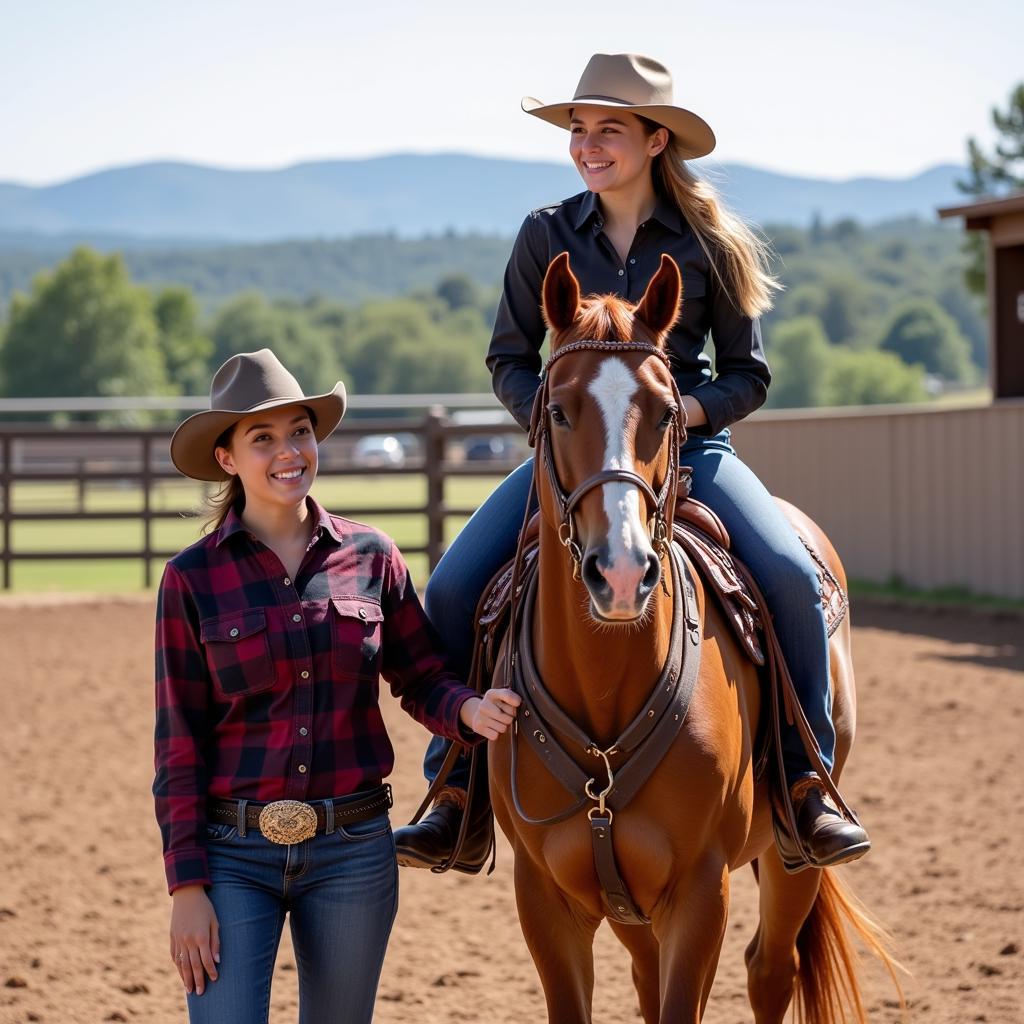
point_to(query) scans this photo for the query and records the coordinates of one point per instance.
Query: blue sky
(822, 88)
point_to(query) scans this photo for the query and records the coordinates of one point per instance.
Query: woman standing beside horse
(630, 144)
(272, 633)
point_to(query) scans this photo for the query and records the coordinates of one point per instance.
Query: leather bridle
(661, 504)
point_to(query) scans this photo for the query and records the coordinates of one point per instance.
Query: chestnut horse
(600, 639)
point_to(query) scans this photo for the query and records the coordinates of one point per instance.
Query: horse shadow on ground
(989, 639)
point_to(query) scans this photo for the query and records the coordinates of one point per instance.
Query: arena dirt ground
(84, 911)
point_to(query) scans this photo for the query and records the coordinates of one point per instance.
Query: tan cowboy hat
(642, 85)
(248, 382)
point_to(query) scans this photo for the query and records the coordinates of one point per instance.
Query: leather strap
(662, 504)
(454, 750)
(479, 680)
(346, 809)
(784, 698)
(644, 742)
(617, 899)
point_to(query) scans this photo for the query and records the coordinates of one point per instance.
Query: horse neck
(600, 676)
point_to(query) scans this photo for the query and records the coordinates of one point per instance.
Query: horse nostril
(653, 574)
(592, 575)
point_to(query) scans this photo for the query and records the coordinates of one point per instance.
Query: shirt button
(633, 260)
(296, 617)
(287, 582)
(304, 674)
(362, 613)
(234, 632)
(302, 769)
(302, 732)
(621, 272)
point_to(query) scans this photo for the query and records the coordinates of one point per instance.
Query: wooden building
(1003, 219)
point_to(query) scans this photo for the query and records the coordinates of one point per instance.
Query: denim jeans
(761, 537)
(340, 892)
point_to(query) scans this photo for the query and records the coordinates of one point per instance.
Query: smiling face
(612, 149)
(274, 454)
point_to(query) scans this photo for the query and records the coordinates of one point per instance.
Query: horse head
(607, 424)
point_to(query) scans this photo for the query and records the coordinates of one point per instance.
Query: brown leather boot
(825, 836)
(430, 842)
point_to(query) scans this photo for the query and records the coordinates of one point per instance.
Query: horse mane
(606, 318)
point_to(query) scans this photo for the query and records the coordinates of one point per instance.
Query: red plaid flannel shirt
(267, 687)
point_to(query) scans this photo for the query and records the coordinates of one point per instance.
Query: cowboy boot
(824, 836)
(430, 842)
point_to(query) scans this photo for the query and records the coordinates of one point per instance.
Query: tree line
(867, 315)
(87, 328)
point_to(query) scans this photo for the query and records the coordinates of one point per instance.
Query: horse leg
(690, 927)
(643, 948)
(560, 937)
(771, 956)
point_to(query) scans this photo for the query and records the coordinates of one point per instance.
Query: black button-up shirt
(576, 226)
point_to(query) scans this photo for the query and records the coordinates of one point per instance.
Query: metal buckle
(288, 822)
(599, 797)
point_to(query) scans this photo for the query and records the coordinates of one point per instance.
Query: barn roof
(979, 215)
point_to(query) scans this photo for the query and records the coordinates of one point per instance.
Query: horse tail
(827, 987)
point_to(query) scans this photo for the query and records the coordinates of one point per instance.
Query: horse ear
(659, 306)
(561, 294)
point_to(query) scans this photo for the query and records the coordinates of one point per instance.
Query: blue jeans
(340, 892)
(761, 537)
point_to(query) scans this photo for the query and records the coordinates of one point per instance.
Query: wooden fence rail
(144, 462)
(925, 496)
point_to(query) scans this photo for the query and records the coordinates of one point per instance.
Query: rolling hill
(410, 195)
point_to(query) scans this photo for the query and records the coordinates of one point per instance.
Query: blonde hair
(742, 266)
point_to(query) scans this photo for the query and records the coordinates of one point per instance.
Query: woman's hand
(492, 714)
(195, 937)
(695, 416)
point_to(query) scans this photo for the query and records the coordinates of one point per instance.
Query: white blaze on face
(614, 387)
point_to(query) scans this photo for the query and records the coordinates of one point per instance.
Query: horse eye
(666, 421)
(557, 416)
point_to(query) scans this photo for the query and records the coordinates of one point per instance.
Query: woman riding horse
(630, 144)
(640, 708)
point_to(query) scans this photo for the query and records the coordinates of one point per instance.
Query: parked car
(378, 451)
(496, 448)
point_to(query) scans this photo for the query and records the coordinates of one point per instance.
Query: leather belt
(290, 821)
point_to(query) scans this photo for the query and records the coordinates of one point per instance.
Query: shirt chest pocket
(356, 636)
(238, 652)
(692, 314)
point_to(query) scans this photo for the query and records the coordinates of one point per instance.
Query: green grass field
(341, 495)
(344, 496)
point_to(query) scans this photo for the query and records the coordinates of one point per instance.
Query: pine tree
(995, 175)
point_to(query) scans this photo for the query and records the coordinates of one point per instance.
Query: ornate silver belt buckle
(288, 822)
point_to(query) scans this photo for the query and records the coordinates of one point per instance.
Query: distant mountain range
(410, 195)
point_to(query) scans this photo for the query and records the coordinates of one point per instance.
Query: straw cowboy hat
(642, 85)
(248, 382)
